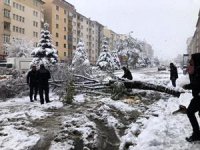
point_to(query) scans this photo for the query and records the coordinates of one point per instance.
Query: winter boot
(194, 137)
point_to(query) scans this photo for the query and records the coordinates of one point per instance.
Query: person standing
(194, 105)
(32, 82)
(173, 74)
(43, 84)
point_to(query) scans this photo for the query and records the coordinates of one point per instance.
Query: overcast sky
(165, 24)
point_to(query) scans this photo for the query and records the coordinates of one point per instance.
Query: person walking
(194, 105)
(43, 84)
(173, 74)
(32, 81)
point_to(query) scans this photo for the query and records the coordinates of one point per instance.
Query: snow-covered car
(161, 68)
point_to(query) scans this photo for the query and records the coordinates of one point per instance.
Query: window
(57, 17)
(57, 35)
(35, 34)
(65, 29)
(65, 54)
(35, 23)
(65, 12)
(57, 26)
(7, 2)
(56, 43)
(14, 16)
(14, 29)
(17, 29)
(65, 46)
(6, 38)
(35, 2)
(35, 13)
(6, 13)
(35, 44)
(18, 6)
(65, 20)
(65, 37)
(57, 8)
(7, 26)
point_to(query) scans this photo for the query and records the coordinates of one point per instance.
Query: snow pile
(80, 127)
(79, 99)
(18, 139)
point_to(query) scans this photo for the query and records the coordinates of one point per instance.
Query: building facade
(193, 44)
(21, 20)
(90, 32)
(59, 15)
(112, 38)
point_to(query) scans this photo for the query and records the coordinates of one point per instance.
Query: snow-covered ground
(23, 125)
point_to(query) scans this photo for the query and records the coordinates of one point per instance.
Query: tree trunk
(146, 86)
(149, 86)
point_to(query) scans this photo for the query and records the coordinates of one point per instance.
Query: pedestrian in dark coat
(127, 73)
(32, 81)
(173, 74)
(43, 84)
(194, 105)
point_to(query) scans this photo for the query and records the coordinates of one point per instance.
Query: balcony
(6, 28)
(7, 6)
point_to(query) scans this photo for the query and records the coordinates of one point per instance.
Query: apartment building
(98, 36)
(112, 37)
(20, 20)
(123, 36)
(59, 15)
(88, 31)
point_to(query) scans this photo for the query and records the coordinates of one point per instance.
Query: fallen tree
(90, 85)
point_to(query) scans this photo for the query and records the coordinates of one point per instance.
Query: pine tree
(80, 56)
(80, 61)
(105, 60)
(116, 60)
(45, 53)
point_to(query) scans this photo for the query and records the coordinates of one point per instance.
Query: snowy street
(142, 122)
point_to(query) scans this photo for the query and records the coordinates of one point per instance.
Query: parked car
(161, 68)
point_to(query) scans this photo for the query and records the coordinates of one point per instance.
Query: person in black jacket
(194, 105)
(127, 73)
(43, 84)
(33, 83)
(173, 74)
